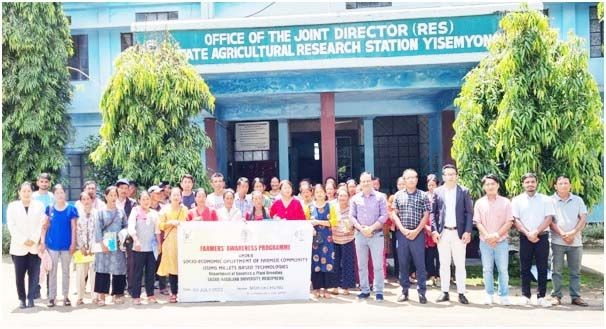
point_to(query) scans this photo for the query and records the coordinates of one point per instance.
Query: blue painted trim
(315, 81)
(369, 146)
(221, 147)
(283, 141)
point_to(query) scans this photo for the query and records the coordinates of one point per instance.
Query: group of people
(130, 239)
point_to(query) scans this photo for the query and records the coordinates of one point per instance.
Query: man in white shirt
(452, 222)
(533, 213)
(215, 200)
(243, 200)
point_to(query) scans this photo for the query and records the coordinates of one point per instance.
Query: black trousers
(102, 281)
(432, 261)
(539, 252)
(161, 279)
(145, 266)
(394, 248)
(174, 283)
(130, 270)
(28, 264)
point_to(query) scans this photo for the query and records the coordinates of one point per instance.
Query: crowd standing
(128, 239)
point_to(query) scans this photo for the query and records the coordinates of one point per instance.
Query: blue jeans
(376, 245)
(498, 255)
(573, 257)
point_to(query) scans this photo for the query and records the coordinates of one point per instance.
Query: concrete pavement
(341, 311)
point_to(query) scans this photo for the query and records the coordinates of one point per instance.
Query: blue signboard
(390, 38)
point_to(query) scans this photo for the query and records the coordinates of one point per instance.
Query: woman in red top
(201, 211)
(432, 259)
(287, 207)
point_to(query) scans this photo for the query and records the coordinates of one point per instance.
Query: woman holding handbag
(143, 228)
(84, 257)
(110, 262)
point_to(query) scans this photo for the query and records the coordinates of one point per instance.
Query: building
(319, 89)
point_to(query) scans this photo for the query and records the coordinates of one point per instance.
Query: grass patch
(589, 281)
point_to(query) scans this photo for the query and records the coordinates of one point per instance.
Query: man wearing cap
(155, 192)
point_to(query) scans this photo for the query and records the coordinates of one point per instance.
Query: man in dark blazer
(452, 222)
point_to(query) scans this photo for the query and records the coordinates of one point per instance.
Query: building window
(76, 173)
(243, 156)
(596, 33)
(78, 63)
(360, 5)
(126, 40)
(157, 16)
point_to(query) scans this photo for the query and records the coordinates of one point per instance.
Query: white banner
(241, 261)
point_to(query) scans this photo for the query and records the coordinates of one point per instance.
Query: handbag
(107, 240)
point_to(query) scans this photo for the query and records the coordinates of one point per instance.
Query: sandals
(152, 300)
(137, 301)
(79, 302)
(51, 303)
(118, 300)
(67, 302)
(172, 299)
(326, 294)
(101, 302)
(346, 292)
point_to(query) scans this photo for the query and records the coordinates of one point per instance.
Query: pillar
(328, 140)
(283, 141)
(369, 146)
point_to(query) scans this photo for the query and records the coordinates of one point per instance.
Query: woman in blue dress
(322, 216)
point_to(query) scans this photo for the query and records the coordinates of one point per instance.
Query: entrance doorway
(305, 159)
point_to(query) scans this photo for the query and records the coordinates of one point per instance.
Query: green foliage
(6, 240)
(36, 90)
(531, 106)
(601, 10)
(104, 173)
(593, 231)
(148, 109)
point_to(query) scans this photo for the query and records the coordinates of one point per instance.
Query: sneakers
(505, 301)
(363, 295)
(488, 300)
(543, 302)
(525, 301)
(402, 298)
(379, 297)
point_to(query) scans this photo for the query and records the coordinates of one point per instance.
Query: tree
(104, 173)
(36, 45)
(531, 105)
(147, 111)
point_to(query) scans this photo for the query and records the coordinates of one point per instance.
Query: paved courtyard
(340, 311)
